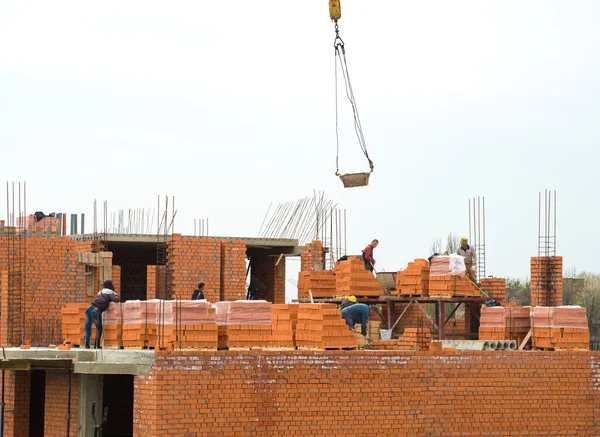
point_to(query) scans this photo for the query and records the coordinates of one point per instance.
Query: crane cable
(340, 55)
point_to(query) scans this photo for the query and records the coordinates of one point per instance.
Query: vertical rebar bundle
(477, 234)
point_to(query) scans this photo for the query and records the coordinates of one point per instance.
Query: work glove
(473, 268)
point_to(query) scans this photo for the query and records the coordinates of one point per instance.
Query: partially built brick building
(50, 392)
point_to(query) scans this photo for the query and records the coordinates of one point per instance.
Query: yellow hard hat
(352, 299)
(464, 240)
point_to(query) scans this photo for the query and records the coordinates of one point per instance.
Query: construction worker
(348, 302)
(198, 293)
(367, 255)
(94, 312)
(468, 252)
(357, 313)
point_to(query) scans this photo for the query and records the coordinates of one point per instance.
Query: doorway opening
(118, 397)
(37, 402)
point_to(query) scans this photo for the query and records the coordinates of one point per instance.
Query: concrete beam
(84, 361)
(151, 238)
(103, 368)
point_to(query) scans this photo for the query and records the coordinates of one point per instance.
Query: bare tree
(589, 298)
(452, 243)
(436, 246)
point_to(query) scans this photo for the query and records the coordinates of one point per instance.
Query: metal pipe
(470, 236)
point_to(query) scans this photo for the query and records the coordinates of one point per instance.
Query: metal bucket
(386, 334)
(351, 180)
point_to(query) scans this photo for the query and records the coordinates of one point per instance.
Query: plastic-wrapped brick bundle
(560, 327)
(188, 312)
(448, 265)
(244, 312)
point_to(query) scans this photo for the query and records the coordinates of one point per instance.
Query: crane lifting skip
(349, 179)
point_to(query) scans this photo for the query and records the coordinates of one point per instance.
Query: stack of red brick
(321, 326)
(352, 278)
(140, 323)
(244, 323)
(188, 324)
(348, 277)
(283, 325)
(546, 281)
(495, 288)
(414, 281)
(500, 323)
(560, 327)
(492, 324)
(445, 280)
(73, 321)
(413, 339)
(320, 283)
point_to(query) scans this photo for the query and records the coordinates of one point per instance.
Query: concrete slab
(101, 361)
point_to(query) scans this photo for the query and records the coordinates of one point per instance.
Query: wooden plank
(525, 340)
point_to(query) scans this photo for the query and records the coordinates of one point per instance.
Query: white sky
(230, 105)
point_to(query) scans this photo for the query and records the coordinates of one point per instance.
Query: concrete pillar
(90, 390)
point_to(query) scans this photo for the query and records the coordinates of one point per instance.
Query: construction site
(121, 323)
(437, 359)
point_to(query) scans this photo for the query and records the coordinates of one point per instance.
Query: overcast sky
(230, 105)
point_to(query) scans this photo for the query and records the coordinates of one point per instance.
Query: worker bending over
(347, 302)
(94, 312)
(367, 255)
(357, 313)
(468, 252)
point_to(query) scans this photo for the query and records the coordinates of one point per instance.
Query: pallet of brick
(492, 323)
(73, 324)
(140, 330)
(282, 326)
(320, 283)
(495, 288)
(351, 278)
(446, 278)
(244, 324)
(188, 324)
(517, 323)
(414, 281)
(321, 326)
(563, 327)
(112, 326)
(452, 286)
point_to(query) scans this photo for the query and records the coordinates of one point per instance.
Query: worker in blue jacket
(357, 313)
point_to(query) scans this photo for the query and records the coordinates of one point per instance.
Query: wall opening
(134, 259)
(118, 397)
(37, 402)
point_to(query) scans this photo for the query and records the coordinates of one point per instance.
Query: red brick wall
(16, 398)
(233, 269)
(393, 393)
(56, 411)
(52, 278)
(312, 258)
(195, 259)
